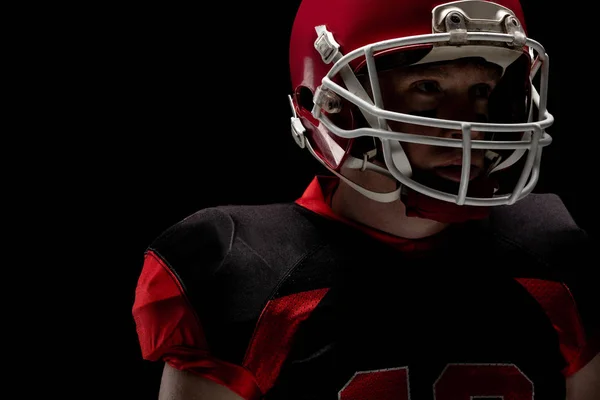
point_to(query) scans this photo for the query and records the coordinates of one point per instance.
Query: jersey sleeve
(565, 286)
(582, 286)
(581, 341)
(170, 330)
(577, 332)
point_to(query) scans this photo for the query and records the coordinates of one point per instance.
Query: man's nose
(461, 109)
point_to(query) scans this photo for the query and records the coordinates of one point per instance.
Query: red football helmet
(337, 44)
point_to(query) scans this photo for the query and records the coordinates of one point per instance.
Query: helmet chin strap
(355, 163)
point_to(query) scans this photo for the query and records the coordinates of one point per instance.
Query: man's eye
(428, 87)
(425, 113)
(481, 90)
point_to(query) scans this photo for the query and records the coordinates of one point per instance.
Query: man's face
(457, 90)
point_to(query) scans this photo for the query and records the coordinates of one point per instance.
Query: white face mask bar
(456, 18)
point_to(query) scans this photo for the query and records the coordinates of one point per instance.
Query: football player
(423, 266)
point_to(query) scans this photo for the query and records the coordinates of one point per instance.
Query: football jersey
(291, 301)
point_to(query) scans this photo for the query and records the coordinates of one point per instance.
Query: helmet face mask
(353, 103)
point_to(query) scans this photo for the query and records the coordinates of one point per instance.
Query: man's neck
(386, 217)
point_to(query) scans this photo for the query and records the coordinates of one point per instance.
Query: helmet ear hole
(304, 98)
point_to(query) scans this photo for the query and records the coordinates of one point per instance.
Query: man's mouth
(453, 172)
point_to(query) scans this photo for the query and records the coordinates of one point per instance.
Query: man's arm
(183, 385)
(585, 383)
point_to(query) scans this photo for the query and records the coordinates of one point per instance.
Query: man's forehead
(445, 69)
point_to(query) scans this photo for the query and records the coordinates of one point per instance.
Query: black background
(175, 107)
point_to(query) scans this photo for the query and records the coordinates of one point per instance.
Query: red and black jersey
(290, 301)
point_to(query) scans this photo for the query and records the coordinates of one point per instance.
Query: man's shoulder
(540, 225)
(210, 235)
(540, 216)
